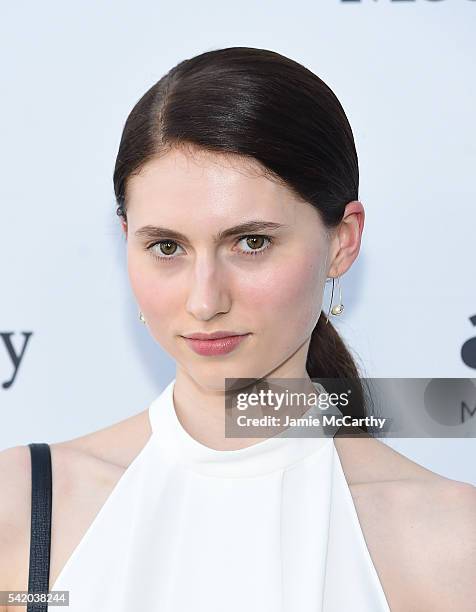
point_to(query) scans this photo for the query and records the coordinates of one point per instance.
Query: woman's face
(268, 287)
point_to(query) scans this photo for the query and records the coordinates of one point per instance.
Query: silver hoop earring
(338, 308)
(141, 317)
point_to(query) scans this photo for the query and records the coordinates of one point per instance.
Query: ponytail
(328, 358)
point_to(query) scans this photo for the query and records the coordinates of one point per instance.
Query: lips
(213, 335)
(216, 345)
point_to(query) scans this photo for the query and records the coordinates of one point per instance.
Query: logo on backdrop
(15, 354)
(468, 350)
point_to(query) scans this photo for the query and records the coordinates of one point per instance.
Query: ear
(347, 239)
(124, 226)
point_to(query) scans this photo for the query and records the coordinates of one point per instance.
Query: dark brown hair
(262, 105)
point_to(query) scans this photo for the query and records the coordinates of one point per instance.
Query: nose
(208, 294)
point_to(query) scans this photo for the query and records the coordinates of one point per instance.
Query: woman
(237, 188)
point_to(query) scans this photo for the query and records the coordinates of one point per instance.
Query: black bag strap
(40, 539)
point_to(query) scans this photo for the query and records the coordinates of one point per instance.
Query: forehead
(191, 178)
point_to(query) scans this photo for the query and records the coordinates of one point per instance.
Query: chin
(213, 375)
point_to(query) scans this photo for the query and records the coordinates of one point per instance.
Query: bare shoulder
(84, 472)
(15, 483)
(433, 523)
(419, 525)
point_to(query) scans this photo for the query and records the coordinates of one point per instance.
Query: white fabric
(267, 528)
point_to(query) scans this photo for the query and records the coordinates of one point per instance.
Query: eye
(166, 247)
(255, 241)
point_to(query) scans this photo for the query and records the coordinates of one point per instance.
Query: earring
(339, 308)
(141, 317)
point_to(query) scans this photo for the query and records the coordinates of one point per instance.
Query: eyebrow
(253, 226)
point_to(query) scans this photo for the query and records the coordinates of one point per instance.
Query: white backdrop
(71, 72)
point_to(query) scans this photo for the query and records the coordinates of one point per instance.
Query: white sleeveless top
(267, 528)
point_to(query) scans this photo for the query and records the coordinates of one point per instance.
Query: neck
(200, 408)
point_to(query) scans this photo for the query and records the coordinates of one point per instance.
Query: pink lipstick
(217, 343)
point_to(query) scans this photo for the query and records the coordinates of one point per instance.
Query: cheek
(153, 294)
(289, 294)
(137, 277)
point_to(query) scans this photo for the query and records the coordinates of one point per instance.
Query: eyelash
(252, 253)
